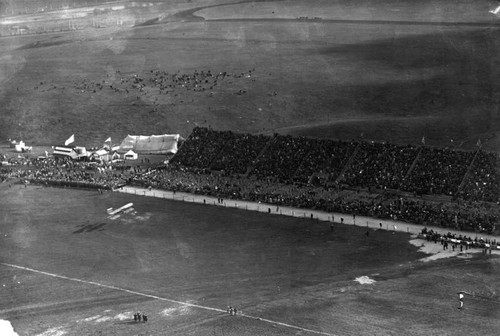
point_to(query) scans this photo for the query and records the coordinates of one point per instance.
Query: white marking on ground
(435, 249)
(186, 304)
(123, 316)
(104, 319)
(6, 328)
(182, 310)
(144, 217)
(364, 280)
(88, 319)
(168, 311)
(58, 331)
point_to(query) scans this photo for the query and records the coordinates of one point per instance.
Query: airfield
(67, 269)
(388, 71)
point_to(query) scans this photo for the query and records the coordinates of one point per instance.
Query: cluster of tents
(19, 146)
(129, 148)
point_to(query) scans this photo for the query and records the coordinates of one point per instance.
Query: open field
(392, 71)
(183, 264)
(386, 70)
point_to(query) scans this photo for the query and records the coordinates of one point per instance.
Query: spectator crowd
(363, 178)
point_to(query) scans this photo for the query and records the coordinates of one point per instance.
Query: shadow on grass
(90, 228)
(128, 322)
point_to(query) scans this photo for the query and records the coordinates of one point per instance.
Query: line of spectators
(69, 173)
(298, 172)
(463, 216)
(462, 241)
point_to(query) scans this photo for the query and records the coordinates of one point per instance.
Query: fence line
(332, 218)
(268, 208)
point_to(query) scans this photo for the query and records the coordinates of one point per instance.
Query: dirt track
(362, 221)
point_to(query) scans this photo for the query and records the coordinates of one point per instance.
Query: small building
(81, 152)
(100, 155)
(130, 155)
(115, 156)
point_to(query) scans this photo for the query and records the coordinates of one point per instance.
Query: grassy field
(392, 70)
(378, 70)
(293, 271)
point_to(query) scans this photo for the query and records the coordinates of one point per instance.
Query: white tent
(154, 144)
(130, 155)
(72, 152)
(65, 152)
(101, 154)
(21, 147)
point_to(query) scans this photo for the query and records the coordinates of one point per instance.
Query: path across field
(373, 223)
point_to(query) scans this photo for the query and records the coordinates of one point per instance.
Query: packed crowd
(306, 173)
(461, 241)
(200, 149)
(438, 171)
(324, 162)
(239, 152)
(380, 165)
(67, 173)
(280, 161)
(286, 159)
(483, 181)
(469, 217)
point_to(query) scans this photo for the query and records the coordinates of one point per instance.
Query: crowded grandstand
(418, 184)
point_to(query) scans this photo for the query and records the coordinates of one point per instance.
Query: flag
(423, 140)
(70, 140)
(108, 140)
(46, 154)
(478, 144)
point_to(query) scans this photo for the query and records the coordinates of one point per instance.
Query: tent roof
(101, 152)
(154, 144)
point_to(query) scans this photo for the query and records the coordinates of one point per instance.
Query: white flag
(70, 140)
(108, 140)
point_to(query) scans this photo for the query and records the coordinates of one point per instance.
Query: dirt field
(183, 264)
(393, 71)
